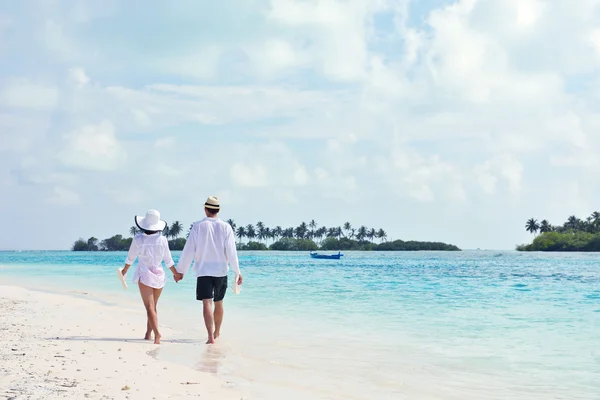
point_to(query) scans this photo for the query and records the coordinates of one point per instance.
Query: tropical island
(304, 237)
(573, 235)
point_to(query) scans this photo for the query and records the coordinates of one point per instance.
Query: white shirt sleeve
(231, 251)
(132, 254)
(167, 258)
(187, 254)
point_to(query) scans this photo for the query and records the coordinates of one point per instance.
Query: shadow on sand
(127, 340)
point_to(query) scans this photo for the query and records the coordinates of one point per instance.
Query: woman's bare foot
(217, 334)
(148, 336)
(157, 338)
(211, 340)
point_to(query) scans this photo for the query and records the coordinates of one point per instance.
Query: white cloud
(503, 166)
(335, 30)
(274, 56)
(57, 41)
(166, 142)
(19, 133)
(249, 175)
(468, 103)
(301, 176)
(64, 197)
(201, 63)
(78, 76)
(23, 93)
(94, 147)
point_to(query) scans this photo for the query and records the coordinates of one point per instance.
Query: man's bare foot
(157, 339)
(148, 336)
(211, 340)
(217, 334)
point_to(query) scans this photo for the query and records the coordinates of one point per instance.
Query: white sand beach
(55, 346)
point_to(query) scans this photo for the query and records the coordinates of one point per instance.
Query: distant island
(573, 235)
(304, 237)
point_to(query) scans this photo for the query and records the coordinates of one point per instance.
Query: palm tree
(241, 233)
(277, 232)
(250, 232)
(313, 225)
(347, 228)
(532, 226)
(167, 231)
(331, 232)
(381, 235)
(322, 231)
(301, 231)
(288, 233)
(232, 224)
(260, 230)
(176, 229)
(362, 233)
(187, 235)
(133, 231)
(371, 234)
(545, 226)
(92, 244)
(596, 220)
(572, 223)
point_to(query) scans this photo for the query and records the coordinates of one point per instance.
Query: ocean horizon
(442, 325)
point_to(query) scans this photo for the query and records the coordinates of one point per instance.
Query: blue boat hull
(326, 257)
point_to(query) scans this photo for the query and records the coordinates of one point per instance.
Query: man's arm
(231, 253)
(187, 254)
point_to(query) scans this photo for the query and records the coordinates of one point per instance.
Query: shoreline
(64, 345)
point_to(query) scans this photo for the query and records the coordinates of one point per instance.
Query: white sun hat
(151, 222)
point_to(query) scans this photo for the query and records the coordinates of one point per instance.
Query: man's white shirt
(211, 246)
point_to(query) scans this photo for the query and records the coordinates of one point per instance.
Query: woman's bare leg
(150, 303)
(157, 293)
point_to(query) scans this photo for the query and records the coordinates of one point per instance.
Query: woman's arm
(124, 270)
(131, 256)
(168, 259)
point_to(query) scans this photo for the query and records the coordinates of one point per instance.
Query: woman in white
(151, 249)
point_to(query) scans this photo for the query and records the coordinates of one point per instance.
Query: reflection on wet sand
(199, 356)
(212, 359)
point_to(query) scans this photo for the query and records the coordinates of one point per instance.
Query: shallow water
(460, 325)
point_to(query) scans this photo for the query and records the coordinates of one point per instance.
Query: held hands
(177, 276)
(239, 281)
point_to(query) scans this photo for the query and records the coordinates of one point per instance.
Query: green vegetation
(573, 235)
(304, 237)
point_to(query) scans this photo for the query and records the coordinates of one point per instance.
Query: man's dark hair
(211, 211)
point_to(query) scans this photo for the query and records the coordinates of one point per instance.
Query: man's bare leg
(209, 319)
(218, 317)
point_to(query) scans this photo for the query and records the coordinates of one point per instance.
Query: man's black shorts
(211, 287)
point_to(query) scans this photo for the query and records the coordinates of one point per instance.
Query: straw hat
(151, 222)
(212, 203)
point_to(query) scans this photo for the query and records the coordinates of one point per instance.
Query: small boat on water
(326, 256)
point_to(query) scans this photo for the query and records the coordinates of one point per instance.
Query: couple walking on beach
(210, 246)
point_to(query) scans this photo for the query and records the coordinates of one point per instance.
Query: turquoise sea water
(460, 325)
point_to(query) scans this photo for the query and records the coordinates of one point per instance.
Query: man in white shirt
(211, 245)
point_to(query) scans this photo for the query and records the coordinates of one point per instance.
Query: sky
(451, 121)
